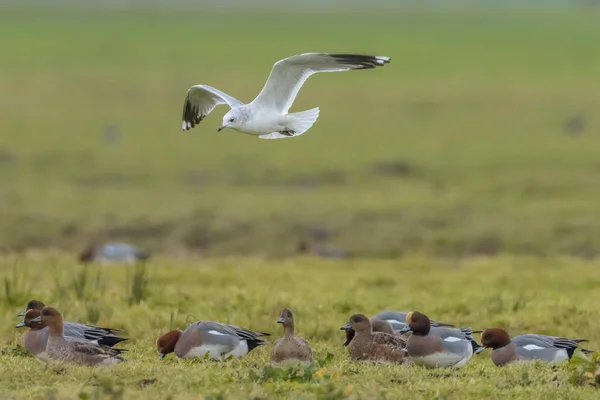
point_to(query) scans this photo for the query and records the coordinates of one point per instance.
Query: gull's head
(233, 119)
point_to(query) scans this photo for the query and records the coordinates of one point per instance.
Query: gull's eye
(231, 120)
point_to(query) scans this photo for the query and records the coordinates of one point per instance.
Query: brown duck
(290, 349)
(372, 346)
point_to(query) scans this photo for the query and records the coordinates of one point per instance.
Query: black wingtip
(580, 340)
(191, 116)
(362, 61)
(477, 348)
(112, 331)
(110, 341)
(254, 343)
(442, 325)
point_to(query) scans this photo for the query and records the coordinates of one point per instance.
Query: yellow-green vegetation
(463, 176)
(480, 137)
(551, 296)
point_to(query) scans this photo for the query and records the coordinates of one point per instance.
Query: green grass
(469, 115)
(452, 163)
(552, 296)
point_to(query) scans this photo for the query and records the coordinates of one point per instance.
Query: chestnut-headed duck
(437, 346)
(209, 339)
(528, 347)
(389, 322)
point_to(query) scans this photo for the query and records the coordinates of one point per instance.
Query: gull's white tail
(298, 122)
(301, 121)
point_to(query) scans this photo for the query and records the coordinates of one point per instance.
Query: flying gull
(267, 115)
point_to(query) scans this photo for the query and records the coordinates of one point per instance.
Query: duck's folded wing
(89, 332)
(306, 345)
(541, 341)
(247, 334)
(564, 343)
(398, 319)
(452, 334)
(92, 349)
(535, 352)
(467, 332)
(388, 340)
(217, 327)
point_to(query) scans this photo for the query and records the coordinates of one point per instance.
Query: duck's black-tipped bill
(405, 329)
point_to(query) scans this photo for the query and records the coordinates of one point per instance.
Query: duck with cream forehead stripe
(436, 347)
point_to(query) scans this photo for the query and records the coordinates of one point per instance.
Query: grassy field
(464, 177)
(557, 296)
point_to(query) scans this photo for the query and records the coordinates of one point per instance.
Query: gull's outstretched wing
(288, 75)
(200, 100)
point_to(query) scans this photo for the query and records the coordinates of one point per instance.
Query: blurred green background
(481, 136)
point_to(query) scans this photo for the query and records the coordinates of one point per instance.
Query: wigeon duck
(209, 339)
(436, 346)
(36, 338)
(104, 336)
(528, 347)
(398, 319)
(389, 320)
(113, 253)
(373, 346)
(290, 350)
(61, 349)
(378, 326)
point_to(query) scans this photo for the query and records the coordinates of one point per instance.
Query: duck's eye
(231, 120)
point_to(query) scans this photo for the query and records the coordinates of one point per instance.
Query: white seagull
(267, 115)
